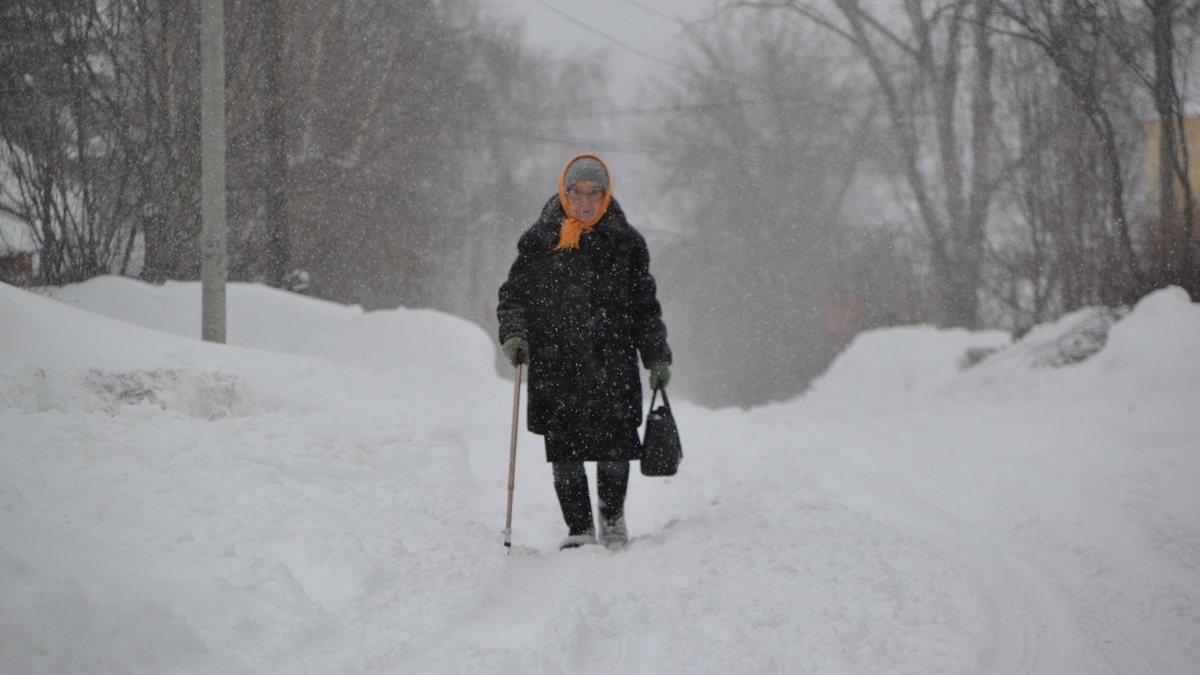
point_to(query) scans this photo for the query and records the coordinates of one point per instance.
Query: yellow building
(1190, 144)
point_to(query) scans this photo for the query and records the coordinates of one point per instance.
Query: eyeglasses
(595, 194)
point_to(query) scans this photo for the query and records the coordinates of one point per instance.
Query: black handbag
(661, 449)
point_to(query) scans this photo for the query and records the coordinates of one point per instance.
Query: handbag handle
(654, 398)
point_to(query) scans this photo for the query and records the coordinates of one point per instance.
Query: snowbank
(268, 318)
(56, 356)
(885, 365)
(326, 495)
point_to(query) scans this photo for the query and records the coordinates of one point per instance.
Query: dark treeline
(370, 142)
(818, 168)
(842, 165)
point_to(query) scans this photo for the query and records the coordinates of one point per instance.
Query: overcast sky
(635, 35)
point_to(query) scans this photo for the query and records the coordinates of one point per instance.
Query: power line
(634, 50)
(656, 12)
(606, 36)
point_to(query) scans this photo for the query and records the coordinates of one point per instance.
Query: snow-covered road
(331, 502)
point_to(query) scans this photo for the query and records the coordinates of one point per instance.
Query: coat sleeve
(512, 310)
(649, 331)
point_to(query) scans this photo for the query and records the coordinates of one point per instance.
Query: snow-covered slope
(326, 494)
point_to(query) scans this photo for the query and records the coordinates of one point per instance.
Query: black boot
(612, 482)
(570, 483)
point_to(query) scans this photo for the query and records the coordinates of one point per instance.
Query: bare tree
(67, 170)
(371, 113)
(353, 127)
(762, 149)
(1010, 202)
(1146, 42)
(929, 60)
(1072, 37)
(160, 112)
(1089, 43)
(275, 172)
(1050, 225)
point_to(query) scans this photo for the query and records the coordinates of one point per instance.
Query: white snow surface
(326, 494)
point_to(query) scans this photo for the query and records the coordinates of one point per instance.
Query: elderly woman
(579, 306)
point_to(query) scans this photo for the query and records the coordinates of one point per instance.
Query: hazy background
(802, 170)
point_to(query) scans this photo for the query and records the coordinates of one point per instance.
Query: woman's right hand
(516, 349)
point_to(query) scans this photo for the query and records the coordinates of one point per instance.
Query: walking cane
(512, 458)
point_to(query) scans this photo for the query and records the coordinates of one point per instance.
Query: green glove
(516, 349)
(660, 375)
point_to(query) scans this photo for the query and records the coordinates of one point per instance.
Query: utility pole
(212, 171)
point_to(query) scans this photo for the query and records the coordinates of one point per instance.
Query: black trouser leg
(612, 480)
(570, 482)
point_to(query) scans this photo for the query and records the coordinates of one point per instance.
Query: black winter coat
(587, 313)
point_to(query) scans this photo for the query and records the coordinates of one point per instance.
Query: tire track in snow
(1030, 627)
(1030, 618)
(1045, 611)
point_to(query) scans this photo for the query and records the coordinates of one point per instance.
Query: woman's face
(584, 198)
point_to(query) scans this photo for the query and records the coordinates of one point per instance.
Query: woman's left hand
(660, 375)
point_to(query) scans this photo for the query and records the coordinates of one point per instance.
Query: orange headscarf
(572, 228)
